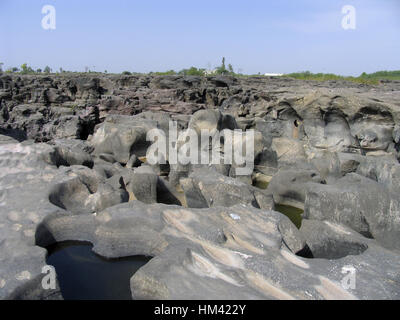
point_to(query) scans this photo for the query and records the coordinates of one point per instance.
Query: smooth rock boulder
(289, 187)
(205, 189)
(330, 240)
(85, 192)
(211, 120)
(69, 152)
(293, 238)
(142, 185)
(359, 203)
(7, 139)
(384, 170)
(289, 152)
(122, 137)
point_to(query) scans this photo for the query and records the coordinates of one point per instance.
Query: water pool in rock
(294, 214)
(84, 275)
(261, 184)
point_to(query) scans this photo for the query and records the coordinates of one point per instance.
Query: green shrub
(25, 69)
(193, 71)
(307, 75)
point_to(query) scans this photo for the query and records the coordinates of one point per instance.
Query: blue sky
(158, 35)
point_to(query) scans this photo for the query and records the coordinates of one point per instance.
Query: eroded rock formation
(73, 167)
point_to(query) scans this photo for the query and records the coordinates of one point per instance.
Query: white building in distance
(273, 74)
(210, 72)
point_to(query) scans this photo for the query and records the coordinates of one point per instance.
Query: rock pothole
(328, 240)
(85, 192)
(337, 249)
(84, 275)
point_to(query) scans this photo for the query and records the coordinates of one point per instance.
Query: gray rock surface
(206, 188)
(73, 166)
(122, 137)
(360, 203)
(289, 187)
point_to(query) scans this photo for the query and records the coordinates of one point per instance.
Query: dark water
(294, 214)
(83, 275)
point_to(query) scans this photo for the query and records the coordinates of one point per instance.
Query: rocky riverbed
(73, 167)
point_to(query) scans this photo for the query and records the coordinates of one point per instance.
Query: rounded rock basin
(84, 275)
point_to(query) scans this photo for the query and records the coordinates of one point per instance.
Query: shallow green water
(261, 184)
(294, 214)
